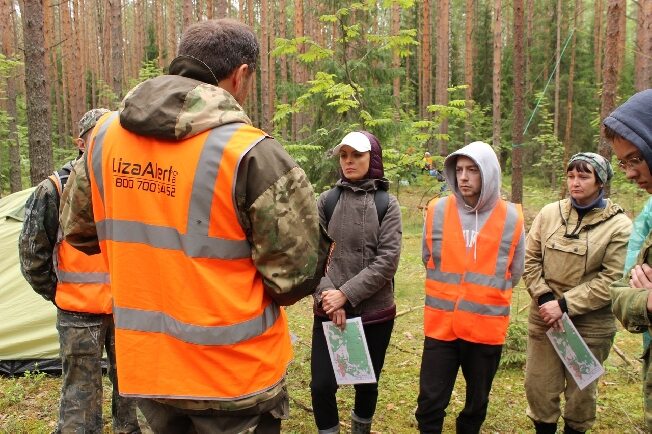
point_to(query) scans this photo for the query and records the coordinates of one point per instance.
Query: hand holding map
(349, 352)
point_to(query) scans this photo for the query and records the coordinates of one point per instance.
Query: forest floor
(29, 404)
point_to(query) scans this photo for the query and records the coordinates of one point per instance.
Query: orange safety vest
(469, 298)
(82, 280)
(192, 318)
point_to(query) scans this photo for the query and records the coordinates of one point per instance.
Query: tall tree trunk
(642, 63)
(441, 86)
(115, 7)
(160, 38)
(37, 92)
(569, 96)
(468, 65)
(425, 71)
(298, 74)
(222, 8)
(610, 71)
(622, 33)
(264, 66)
(209, 9)
(80, 84)
(171, 19)
(187, 14)
(271, 61)
(8, 29)
(555, 125)
(396, 60)
(497, 77)
(519, 104)
(529, 37)
(283, 61)
(597, 39)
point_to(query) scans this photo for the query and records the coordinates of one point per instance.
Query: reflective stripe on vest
(82, 280)
(192, 318)
(195, 242)
(462, 302)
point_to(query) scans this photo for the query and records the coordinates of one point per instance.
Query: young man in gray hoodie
(473, 250)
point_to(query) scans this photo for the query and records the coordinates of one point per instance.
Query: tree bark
(497, 77)
(597, 39)
(441, 87)
(555, 125)
(187, 14)
(468, 65)
(396, 60)
(643, 47)
(426, 60)
(610, 70)
(115, 7)
(519, 104)
(37, 92)
(569, 93)
(264, 66)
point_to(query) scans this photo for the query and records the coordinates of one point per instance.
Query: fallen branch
(301, 405)
(623, 356)
(408, 310)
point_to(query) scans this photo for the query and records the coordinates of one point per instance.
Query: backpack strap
(381, 200)
(60, 177)
(332, 196)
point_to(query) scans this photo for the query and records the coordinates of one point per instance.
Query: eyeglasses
(630, 163)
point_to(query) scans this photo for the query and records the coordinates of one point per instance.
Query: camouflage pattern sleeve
(38, 238)
(289, 246)
(76, 218)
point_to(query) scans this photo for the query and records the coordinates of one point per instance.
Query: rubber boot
(569, 430)
(360, 425)
(545, 428)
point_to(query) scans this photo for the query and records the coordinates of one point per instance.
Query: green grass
(30, 404)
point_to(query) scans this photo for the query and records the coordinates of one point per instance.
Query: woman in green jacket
(575, 248)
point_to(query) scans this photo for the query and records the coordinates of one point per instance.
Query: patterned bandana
(600, 165)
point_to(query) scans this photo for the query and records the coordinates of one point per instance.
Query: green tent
(28, 335)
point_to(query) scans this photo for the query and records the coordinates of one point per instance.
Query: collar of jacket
(365, 184)
(593, 217)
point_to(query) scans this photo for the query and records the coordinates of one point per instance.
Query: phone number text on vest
(147, 177)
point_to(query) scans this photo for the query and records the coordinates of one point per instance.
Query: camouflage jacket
(38, 238)
(274, 198)
(36, 243)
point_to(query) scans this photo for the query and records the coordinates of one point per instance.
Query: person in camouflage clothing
(629, 131)
(82, 336)
(274, 205)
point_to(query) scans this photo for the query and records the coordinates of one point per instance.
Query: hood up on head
(633, 122)
(486, 160)
(176, 107)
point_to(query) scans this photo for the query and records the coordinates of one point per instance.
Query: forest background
(531, 77)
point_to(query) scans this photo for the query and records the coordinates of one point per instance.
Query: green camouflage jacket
(38, 238)
(275, 200)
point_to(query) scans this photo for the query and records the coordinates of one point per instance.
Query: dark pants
(323, 385)
(262, 418)
(82, 340)
(439, 365)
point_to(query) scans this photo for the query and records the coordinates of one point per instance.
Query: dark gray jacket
(365, 258)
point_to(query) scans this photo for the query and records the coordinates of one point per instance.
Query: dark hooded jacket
(366, 254)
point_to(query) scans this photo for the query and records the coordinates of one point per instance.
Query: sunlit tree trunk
(519, 104)
(441, 86)
(497, 77)
(643, 52)
(597, 39)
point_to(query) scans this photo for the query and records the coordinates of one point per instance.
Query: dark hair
(580, 166)
(610, 134)
(223, 45)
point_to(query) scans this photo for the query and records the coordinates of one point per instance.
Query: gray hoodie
(473, 218)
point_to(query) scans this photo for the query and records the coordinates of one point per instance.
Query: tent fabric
(28, 335)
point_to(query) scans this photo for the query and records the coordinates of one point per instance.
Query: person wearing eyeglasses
(629, 131)
(575, 249)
